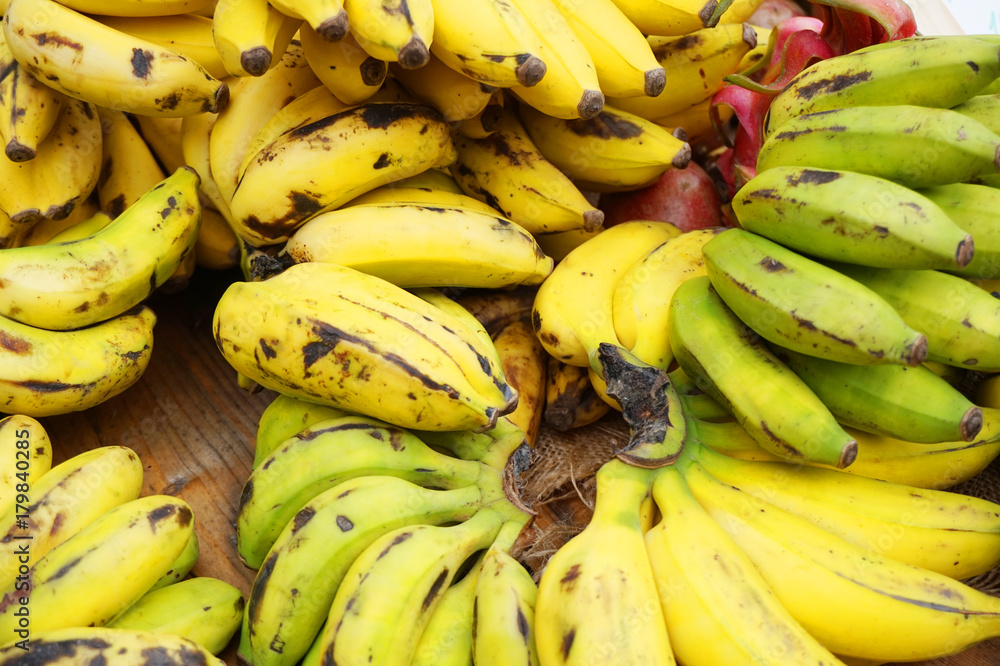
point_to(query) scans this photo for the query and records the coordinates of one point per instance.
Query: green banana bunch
(973, 208)
(915, 146)
(729, 362)
(796, 302)
(368, 347)
(113, 647)
(202, 609)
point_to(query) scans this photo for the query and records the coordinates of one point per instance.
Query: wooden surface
(194, 430)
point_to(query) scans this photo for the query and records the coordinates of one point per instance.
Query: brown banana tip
(683, 157)
(414, 54)
(559, 420)
(593, 219)
(972, 423)
(749, 35)
(18, 152)
(707, 11)
(491, 117)
(334, 28)
(965, 251)
(656, 81)
(373, 71)
(192, 170)
(679, 133)
(591, 104)
(531, 71)
(221, 99)
(27, 215)
(256, 61)
(848, 454)
(492, 416)
(918, 351)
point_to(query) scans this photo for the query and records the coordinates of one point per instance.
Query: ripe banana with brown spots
(112, 647)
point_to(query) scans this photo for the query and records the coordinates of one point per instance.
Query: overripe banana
(26, 450)
(114, 647)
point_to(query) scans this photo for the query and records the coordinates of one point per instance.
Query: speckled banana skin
(87, 60)
(29, 109)
(26, 450)
(112, 647)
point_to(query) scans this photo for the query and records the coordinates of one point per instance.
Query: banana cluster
(89, 566)
(379, 544)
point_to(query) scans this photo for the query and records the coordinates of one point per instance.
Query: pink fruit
(687, 198)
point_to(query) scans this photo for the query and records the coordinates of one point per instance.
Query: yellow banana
(457, 96)
(343, 66)
(29, 108)
(447, 638)
(188, 34)
(668, 17)
(393, 30)
(326, 17)
(524, 366)
(183, 565)
(148, 8)
(128, 168)
(26, 451)
(114, 647)
(250, 35)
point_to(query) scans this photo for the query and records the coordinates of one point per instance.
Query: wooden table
(194, 430)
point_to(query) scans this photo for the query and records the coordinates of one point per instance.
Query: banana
(613, 151)
(959, 319)
(503, 611)
(798, 303)
(114, 647)
(597, 597)
(29, 108)
(303, 172)
(90, 61)
(188, 34)
(322, 457)
(255, 100)
(736, 11)
(26, 450)
(917, 146)
(45, 373)
(777, 408)
(894, 400)
(249, 34)
(128, 167)
(163, 135)
(668, 17)
(641, 306)
(431, 197)
(285, 417)
(524, 365)
(572, 313)
(299, 577)
(343, 66)
(495, 308)
(717, 607)
(487, 40)
(570, 399)
(216, 247)
(326, 17)
(939, 73)
(437, 179)
(971, 207)
(854, 602)
(623, 59)
(392, 588)
(696, 121)
(144, 8)
(486, 121)
(946, 532)
(422, 245)
(182, 566)
(447, 638)
(63, 501)
(457, 96)
(570, 87)
(802, 208)
(398, 31)
(508, 171)
(90, 280)
(499, 447)
(132, 544)
(202, 609)
(45, 229)
(63, 172)
(982, 109)
(560, 243)
(696, 65)
(195, 134)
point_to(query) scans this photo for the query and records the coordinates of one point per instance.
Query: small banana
(182, 566)
(26, 450)
(326, 17)
(250, 35)
(344, 67)
(668, 17)
(284, 418)
(394, 30)
(457, 96)
(570, 399)
(524, 365)
(114, 647)
(447, 638)
(128, 167)
(139, 8)
(972, 208)
(796, 302)
(216, 247)
(189, 34)
(29, 108)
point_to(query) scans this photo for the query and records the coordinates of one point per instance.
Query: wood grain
(194, 430)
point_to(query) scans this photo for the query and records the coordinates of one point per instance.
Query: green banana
(941, 73)
(322, 457)
(849, 216)
(730, 363)
(960, 320)
(492, 447)
(286, 417)
(973, 208)
(447, 638)
(796, 302)
(893, 400)
(982, 108)
(915, 146)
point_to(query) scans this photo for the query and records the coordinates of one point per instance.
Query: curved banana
(132, 544)
(326, 455)
(393, 30)
(284, 418)
(163, 135)
(570, 398)
(668, 17)
(983, 109)
(29, 108)
(487, 120)
(90, 280)
(613, 151)
(422, 245)
(114, 647)
(216, 247)
(508, 171)
(145, 8)
(44, 373)
(806, 306)
(303, 172)
(189, 34)
(346, 69)
(62, 174)
(88, 60)
(326, 17)
(717, 607)
(365, 323)
(447, 638)
(971, 207)
(558, 244)
(457, 96)
(250, 35)
(597, 597)
(202, 609)
(524, 366)
(27, 450)
(182, 566)
(128, 167)
(802, 208)
(430, 197)
(299, 578)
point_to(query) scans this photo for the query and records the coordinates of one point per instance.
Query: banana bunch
(70, 528)
(372, 545)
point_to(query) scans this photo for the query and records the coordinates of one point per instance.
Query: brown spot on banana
(142, 63)
(53, 38)
(831, 85)
(568, 580)
(567, 643)
(400, 538)
(301, 518)
(813, 177)
(14, 344)
(182, 514)
(605, 126)
(345, 524)
(435, 590)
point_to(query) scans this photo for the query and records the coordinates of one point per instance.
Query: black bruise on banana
(567, 643)
(260, 582)
(54, 652)
(435, 590)
(302, 518)
(831, 85)
(813, 177)
(605, 125)
(142, 63)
